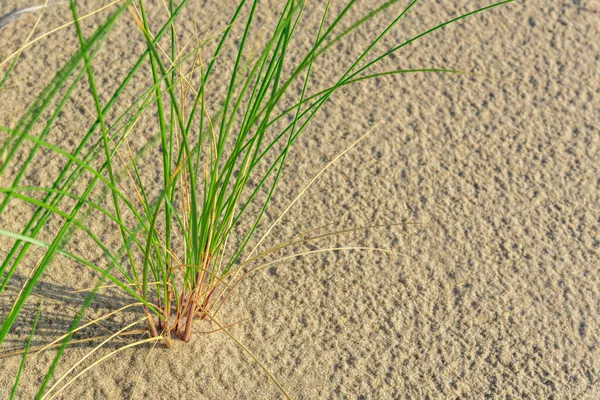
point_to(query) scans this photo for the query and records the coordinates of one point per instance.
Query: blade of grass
(309, 184)
(107, 152)
(16, 59)
(26, 352)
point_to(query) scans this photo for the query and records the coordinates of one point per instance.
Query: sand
(495, 293)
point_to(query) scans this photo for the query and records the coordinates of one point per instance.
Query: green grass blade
(51, 90)
(22, 366)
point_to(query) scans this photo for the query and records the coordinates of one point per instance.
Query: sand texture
(494, 293)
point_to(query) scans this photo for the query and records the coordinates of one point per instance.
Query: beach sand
(493, 292)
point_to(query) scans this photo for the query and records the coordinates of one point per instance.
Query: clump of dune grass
(181, 252)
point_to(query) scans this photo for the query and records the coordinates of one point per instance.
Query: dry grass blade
(300, 239)
(89, 354)
(37, 39)
(45, 347)
(322, 251)
(308, 185)
(13, 16)
(144, 365)
(102, 359)
(253, 356)
(3, 23)
(54, 342)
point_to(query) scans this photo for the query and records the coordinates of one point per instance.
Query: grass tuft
(183, 246)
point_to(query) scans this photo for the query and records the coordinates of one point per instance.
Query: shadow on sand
(61, 305)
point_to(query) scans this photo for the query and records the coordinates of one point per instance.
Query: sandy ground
(495, 294)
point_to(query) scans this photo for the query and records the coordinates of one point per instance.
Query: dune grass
(181, 252)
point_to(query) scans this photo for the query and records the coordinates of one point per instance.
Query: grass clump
(184, 247)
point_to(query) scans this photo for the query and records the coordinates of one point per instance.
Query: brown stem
(151, 326)
(188, 324)
(191, 311)
(154, 332)
(205, 304)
